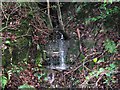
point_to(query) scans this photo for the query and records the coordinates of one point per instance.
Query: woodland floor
(90, 40)
(64, 79)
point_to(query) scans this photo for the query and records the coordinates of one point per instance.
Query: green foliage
(3, 81)
(110, 46)
(26, 86)
(101, 60)
(95, 60)
(78, 9)
(109, 1)
(27, 46)
(38, 59)
(42, 75)
(111, 68)
(7, 42)
(75, 81)
(95, 73)
(108, 71)
(106, 15)
(16, 68)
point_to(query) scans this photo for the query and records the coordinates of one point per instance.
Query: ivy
(110, 46)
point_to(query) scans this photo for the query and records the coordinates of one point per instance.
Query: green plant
(111, 68)
(107, 71)
(95, 73)
(26, 86)
(110, 46)
(101, 60)
(3, 81)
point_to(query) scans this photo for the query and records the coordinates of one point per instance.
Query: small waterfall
(57, 51)
(62, 54)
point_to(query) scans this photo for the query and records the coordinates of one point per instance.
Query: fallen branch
(79, 65)
(85, 83)
(96, 84)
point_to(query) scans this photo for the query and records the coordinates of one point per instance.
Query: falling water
(62, 54)
(57, 51)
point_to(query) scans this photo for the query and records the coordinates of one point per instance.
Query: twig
(7, 17)
(85, 83)
(39, 29)
(48, 9)
(3, 28)
(23, 36)
(118, 45)
(15, 9)
(86, 68)
(79, 38)
(99, 80)
(59, 16)
(79, 65)
(3, 11)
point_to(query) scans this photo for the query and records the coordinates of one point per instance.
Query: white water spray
(62, 54)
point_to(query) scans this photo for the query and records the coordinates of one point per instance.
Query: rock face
(56, 34)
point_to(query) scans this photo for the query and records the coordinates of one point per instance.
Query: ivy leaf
(101, 70)
(95, 60)
(112, 65)
(7, 42)
(101, 60)
(108, 74)
(87, 78)
(46, 79)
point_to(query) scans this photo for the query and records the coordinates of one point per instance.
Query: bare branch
(48, 9)
(84, 62)
(59, 16)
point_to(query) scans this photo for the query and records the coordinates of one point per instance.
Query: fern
(3, 81)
